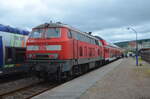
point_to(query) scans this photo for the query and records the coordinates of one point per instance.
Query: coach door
(1, 53)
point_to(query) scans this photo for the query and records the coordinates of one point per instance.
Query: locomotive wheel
(42, 75)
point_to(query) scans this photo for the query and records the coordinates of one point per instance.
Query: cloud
(105, 18)
(123, 34)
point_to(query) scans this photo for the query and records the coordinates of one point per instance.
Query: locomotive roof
(99, 38)
(58, 24)
(49, 25)
(9, 29)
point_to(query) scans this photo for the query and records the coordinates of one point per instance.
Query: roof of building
(13, 30)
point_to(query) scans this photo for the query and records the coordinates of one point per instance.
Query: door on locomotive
(75, 44)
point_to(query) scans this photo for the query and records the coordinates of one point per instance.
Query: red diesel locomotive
(58, 50)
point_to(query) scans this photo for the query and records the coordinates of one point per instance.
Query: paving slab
(77, 87)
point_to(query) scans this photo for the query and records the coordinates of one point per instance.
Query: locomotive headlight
(29, 56)
(32, 48)
(53, 47)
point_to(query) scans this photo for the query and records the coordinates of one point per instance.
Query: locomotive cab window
(37, 33)
(52, 32)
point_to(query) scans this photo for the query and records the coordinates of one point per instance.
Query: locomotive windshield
(47, 33)
(52, 32)
(37, 33)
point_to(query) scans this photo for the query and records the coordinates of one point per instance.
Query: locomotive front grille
(42, 57)
(45, 56)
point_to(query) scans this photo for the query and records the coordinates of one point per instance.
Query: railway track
(28, 91)
(24, 88)
(28, 88)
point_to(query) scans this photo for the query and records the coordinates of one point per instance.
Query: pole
(136, 45)
(136, 50)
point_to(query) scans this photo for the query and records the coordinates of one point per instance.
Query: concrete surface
(77, 87)
(127, 81)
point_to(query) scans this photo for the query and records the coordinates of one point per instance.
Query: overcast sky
(106, 18)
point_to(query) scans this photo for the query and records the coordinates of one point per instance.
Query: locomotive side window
(69, 34)
(100, 44)
(52, 32)
(73, 34)
(83, 37)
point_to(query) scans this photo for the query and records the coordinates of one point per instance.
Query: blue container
(1, 53)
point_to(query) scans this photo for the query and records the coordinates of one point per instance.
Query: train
(59, 51)
(12, 48)
(110, 51)
(145, 54)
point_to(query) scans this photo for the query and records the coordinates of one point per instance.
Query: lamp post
(136, 44)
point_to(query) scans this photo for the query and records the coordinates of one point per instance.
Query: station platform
(118, 80)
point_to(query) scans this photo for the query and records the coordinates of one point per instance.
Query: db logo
(42, 47)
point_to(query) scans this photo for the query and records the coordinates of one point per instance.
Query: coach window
(9, 59)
